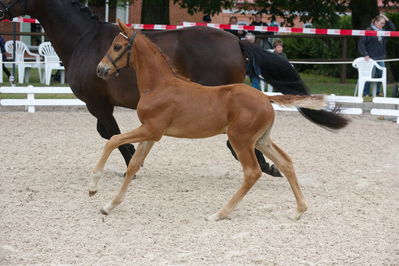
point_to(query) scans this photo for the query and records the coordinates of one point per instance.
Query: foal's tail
(315, 102)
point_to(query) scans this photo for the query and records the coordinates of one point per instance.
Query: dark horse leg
(107, 127)
(264, 166)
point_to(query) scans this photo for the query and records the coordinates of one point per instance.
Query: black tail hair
(284, 78)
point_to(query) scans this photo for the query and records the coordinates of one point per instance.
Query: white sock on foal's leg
(93, 185)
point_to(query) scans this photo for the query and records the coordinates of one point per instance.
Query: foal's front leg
(134, 165)
(139, 134)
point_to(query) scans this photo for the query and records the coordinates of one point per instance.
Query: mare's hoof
(103, 212)
(92, 193)
(270, 170)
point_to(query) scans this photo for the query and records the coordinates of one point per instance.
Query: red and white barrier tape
(314, 31)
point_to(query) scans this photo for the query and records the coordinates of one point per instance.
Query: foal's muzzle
(103, 71)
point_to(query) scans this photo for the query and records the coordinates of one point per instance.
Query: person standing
(374, 47)
(4, 57)
(252, 69)
(239, 33)
(265, 44)
(278, 48)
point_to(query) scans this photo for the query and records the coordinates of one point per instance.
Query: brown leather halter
(127, 50)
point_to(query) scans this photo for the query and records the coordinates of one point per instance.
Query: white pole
(106, 10)
(127, 12)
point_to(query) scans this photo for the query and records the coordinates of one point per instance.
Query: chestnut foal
(171, 105)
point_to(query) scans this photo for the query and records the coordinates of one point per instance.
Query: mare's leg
(264, 166)
(137, 160)
(126, 150)
(139, 134)
(246, 155)
(284, 163)
(107, 126)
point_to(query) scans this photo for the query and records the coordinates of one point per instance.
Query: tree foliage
(99, 3)
(317, 11)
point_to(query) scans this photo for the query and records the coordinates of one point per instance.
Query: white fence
(31, 102)
(387, 112)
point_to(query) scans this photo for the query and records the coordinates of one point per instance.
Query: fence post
(344, 55)
(31, 96)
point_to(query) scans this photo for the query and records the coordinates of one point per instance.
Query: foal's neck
(151, 66)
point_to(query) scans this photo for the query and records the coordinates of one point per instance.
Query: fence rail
(30, 102)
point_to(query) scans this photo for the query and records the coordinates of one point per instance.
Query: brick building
(132, 14)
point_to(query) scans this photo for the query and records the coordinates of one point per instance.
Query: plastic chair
(24, 66)
(1, 68)
(365, 69)
(51, 62)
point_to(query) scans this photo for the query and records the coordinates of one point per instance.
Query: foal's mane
(84, 9)
(168, 61)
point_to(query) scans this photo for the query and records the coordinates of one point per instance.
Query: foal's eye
(117, 47)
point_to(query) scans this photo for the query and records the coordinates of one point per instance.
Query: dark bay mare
(204, 55)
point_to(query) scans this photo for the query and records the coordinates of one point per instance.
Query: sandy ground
(350, 180)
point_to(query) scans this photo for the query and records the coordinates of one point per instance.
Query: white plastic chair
(24, 66)
(51, 62)
(365, 70)
(1, 67)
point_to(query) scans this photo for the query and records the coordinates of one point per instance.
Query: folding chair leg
(48, 76)
(40, 75)
(384, 88)
(356, 88)
(27, 75)
(62, 76)
(360, 88)
(21, 74)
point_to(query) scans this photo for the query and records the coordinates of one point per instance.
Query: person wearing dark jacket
(239, 33)
(374, 47)
(266, 44)
(4, 57)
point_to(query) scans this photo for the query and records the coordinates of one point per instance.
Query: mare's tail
(284, 78)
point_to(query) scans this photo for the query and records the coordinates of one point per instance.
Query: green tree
(317, 11)
(155, 12)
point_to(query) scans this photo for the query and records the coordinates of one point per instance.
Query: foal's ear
(122, 26)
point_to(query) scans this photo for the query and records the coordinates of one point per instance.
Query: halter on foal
(171, 105)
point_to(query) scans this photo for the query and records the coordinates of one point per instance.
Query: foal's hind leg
(264, 166)
(284, 163)
(246, 156)
(134, 165)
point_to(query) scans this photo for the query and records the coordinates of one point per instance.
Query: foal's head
(119, 54)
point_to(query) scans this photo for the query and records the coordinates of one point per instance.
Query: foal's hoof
(296, 216)
(92, 193)
(214, 217)
(103, 212)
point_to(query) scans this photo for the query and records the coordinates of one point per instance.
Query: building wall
(177, 15)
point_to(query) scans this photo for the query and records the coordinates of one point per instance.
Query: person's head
(250, 37)
(207, 19)
(258, 17)
(379, 21)
(233, 20)
(278, 46)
